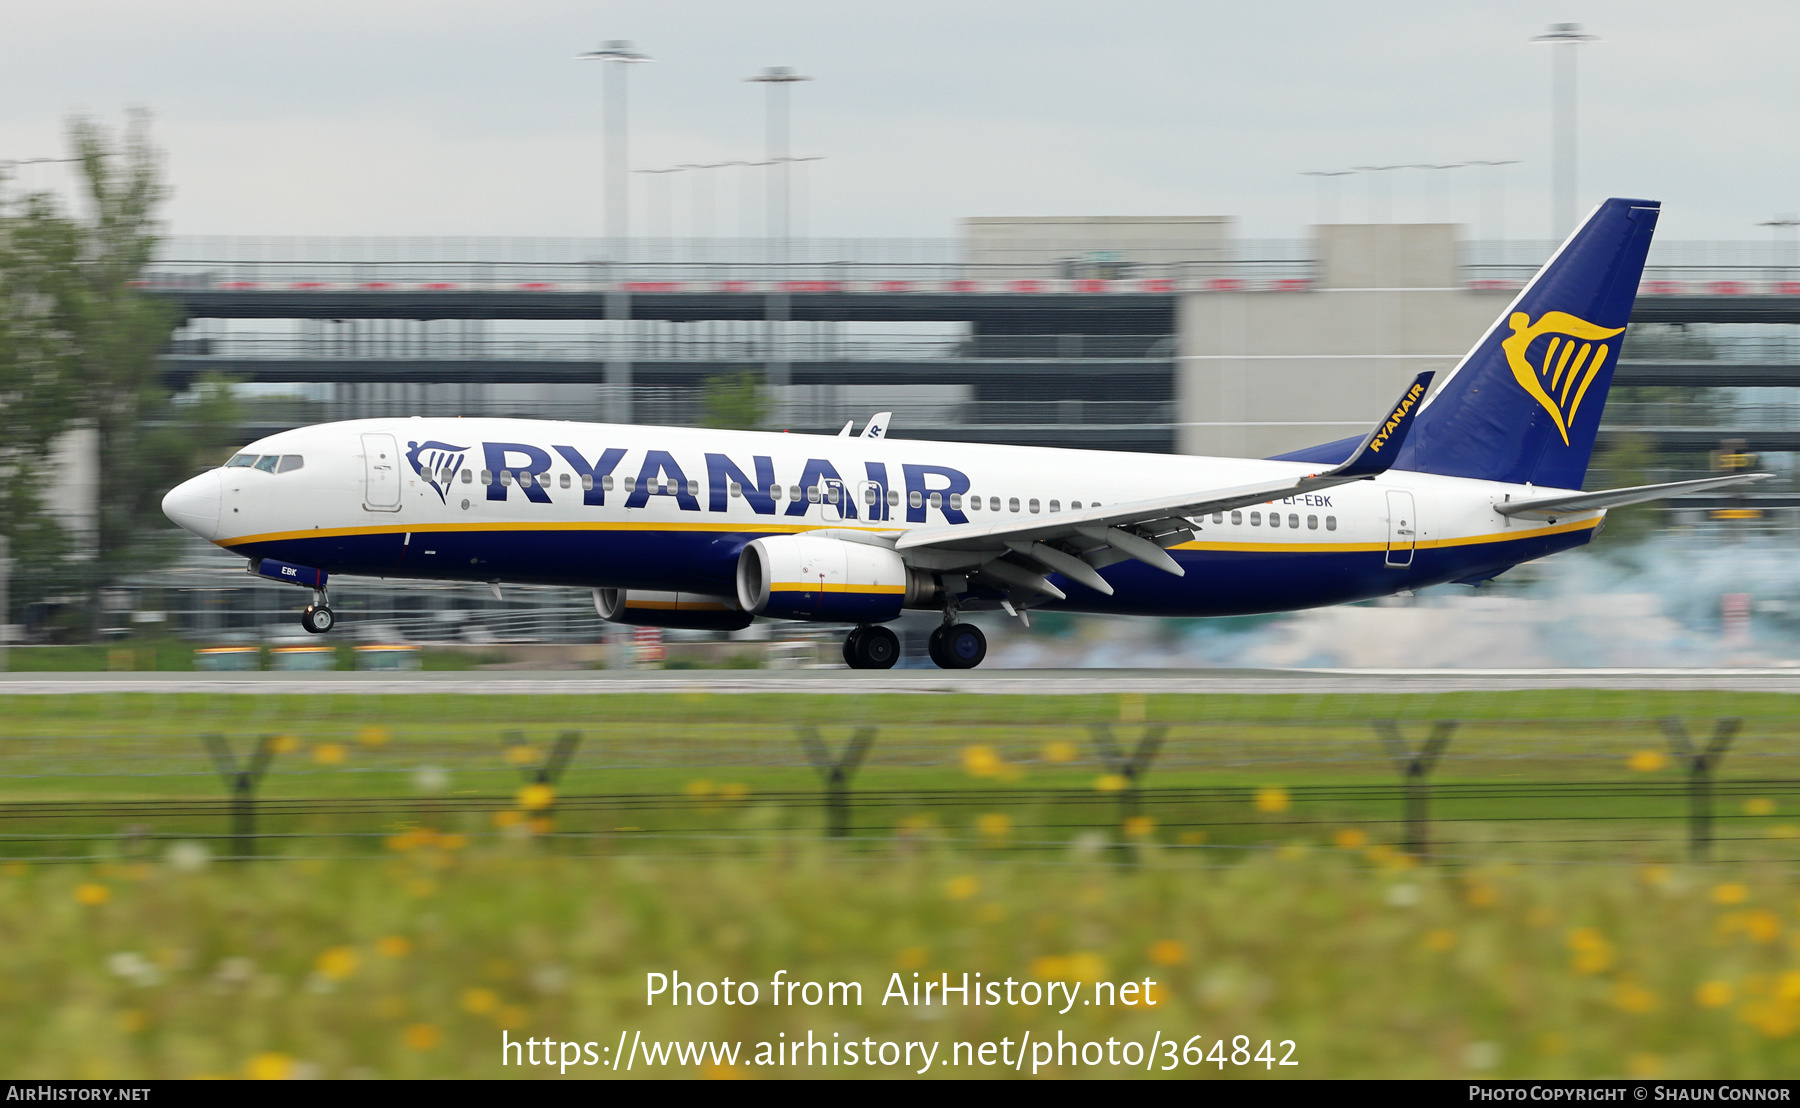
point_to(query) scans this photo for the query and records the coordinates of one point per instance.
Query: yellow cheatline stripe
(720, 527)
(1352, 547)
(817, 586)
(798, 528)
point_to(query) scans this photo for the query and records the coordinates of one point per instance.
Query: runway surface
(1016, 682)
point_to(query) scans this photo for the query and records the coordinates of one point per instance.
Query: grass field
(420, 893)
(413, 965)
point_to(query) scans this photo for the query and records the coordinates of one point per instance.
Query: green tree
(734, 401)
(79, 340)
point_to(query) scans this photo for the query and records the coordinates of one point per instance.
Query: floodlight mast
(778, 78)
(618, 55)
(1565, 38)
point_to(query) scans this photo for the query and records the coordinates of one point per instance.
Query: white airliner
(684, 527)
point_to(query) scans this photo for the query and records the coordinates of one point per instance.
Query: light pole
(617, 55)
(1380, 174)
(1327, 179)
(1565, 38)
(1785, 222)
(1493, 192)
(778, 78)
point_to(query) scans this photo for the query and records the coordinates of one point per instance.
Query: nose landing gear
(871, 647)
(318, 617)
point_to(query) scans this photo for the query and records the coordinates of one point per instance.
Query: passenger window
(239, 461)
(870, 495)
(506, 478)
(267, 462)
(606, 483)
(1074, 505)
(525, 481)
(736, 490)
(974, 503)
(1256, 519)
(994, 504)
(831, 494)
(629, 484)
(563, 480)
(1056, 505)
(893, 498)
(915, 500)
(1312, 523)
(1012, 504)
(1293, 519)
(1330, 523)
(587, 482)
(487, 476)
(937, 500)
(793, 492)
(812, 494)
(1274, 519)
(956, 501)
(774, 492)
(1237, 519)
(1218, 517)
(289, 463)
(1032, 504)
(469, 476)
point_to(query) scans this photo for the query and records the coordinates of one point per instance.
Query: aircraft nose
(194, 504)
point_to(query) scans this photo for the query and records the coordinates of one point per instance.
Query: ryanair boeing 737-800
(685, 527)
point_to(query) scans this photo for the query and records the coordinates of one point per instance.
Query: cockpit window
(266, 463)
(289, 463)
(239, 460)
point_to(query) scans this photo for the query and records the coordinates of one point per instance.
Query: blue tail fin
(1524, 405)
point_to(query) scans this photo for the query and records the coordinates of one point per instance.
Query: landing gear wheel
(317, 619)
(872, 648)
(958, 646)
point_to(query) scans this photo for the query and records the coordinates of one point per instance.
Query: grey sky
(452, 118)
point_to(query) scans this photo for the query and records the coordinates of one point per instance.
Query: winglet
(878, 426)
(1382, 445)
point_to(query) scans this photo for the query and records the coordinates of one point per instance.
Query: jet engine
(690, 610)
(830, 580)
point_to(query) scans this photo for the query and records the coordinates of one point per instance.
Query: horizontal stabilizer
(1547, 507)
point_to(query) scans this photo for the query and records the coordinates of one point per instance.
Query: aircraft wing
(1548, 507)
(1017, 554)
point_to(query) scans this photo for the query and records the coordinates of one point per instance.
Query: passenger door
(1403, 529)
(381, 473)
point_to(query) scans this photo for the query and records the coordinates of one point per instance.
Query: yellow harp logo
(1570, 361)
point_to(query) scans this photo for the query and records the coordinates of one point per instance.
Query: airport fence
(1444, 790)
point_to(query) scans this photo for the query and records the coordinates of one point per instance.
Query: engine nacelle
(830, 580)
(689, 610)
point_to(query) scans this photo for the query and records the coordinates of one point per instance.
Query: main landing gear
(871, 647)
(318, 617)
(957, 646)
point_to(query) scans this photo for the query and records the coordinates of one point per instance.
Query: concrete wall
(1260, 373)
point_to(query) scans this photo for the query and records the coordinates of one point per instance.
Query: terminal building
(1155, 335)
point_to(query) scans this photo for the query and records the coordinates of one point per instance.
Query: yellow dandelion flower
(1139, 826)
(1634, 998)
(1084, 966)
(1112, 783)
(1481, 895)
(536, 797)
(1647, 761)
(1440, 939)
(1730, 893)
(994, 825)
(269, 1066)
(480, 1001)
(1713, 994)
(328, 754)
(961, 888)
(1350, 838)
(422, 1036)
(733, 790)
(980, 761)
(374, 736)
(522, 754)
(508, 817)
(284, 744)
(92, 895)
(699, 788)
(1759, 806)
(1167, 952)
(912, 957)
(394, 946)
(1050, 967)
(1060, 753)
(1272, 798)
(1761, 926)
(336, 963)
